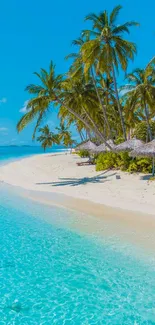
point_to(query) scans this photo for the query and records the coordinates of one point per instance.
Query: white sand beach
(59, 173)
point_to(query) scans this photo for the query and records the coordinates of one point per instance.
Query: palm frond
(114, 14)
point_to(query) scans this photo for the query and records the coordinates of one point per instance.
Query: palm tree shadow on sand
(79, 181)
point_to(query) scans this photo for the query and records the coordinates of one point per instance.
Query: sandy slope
(59, 173)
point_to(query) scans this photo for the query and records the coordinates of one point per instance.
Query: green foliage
(47, 138)
(87, 96)
(143, 165)
(141, 130)
(106, 161)
(124, 162)
(152, 178)
(65, 136)
(83, 153)
(119, 140)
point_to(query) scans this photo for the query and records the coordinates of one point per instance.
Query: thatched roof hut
(147, 150)
(129, 145)
(103, 148)
(86, 146)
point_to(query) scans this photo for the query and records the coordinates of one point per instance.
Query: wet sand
(126, 206)
(132, 227)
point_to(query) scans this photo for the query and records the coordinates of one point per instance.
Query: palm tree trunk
(102, 105)
(94, 128)
(88, 134)
(105, 129)
(81, 135)
(153, 166)
(118, 103)
(147, 121)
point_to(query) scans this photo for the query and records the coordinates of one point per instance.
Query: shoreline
(59, 173)
(129, 218)
(129, 227)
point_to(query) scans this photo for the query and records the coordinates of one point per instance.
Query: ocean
(53, 272)
(9, 153)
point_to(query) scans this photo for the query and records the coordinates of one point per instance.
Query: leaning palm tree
(63, 131)
(77, 68)
(52, 90)
(65, 136)
(82, 97)
(141, 91)
(66, 117)
(43, 94)
(47, 138)
(109, 48)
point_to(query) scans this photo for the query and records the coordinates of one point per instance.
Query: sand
(60, 174)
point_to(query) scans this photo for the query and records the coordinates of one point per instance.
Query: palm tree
(77, 69)
(47, 138)
(52, 90)
(141, 91)
(141, 130)
(108, 48)
(132, 113)
(66, 117)
(65, 136)
(44, 93)
(83, 99)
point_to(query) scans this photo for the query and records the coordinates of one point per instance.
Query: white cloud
(3, 100)
(24, 109)
(23, 142)
(14, 139)
(3, 129)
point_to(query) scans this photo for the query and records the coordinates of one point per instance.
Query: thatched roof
(129, 145)
(147, 149)
(86, 146)
(103, 147)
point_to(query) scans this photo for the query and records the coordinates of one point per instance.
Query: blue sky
(34, 32)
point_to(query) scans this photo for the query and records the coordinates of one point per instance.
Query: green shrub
(83, 153)
(106, 161)
(152, 178)
(143, 165)
(124, 162)
(132, 167)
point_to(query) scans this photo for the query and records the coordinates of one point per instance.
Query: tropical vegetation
(89, 95)
(48, 138)
(124, 162)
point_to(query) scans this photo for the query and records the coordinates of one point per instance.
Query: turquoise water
(12, 153)
(53, 273)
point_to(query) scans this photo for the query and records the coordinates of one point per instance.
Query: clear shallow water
(52, 274)
(12, 153)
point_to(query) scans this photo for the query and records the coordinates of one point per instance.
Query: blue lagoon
(53, 270)
(53, 273)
